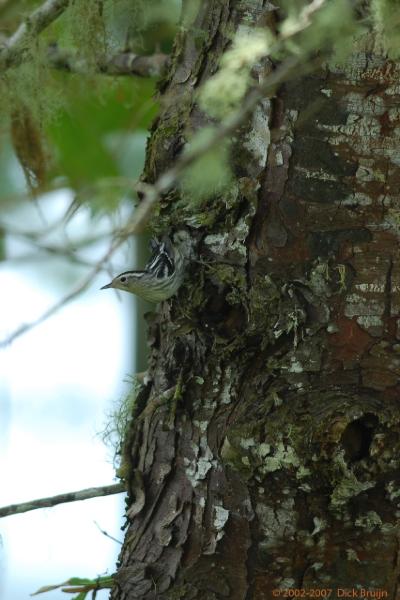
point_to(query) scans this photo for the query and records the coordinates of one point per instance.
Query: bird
(163, 274)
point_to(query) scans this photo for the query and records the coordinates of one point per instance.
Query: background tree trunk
(264, 452)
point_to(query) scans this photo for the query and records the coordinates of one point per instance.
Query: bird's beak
(105, 287)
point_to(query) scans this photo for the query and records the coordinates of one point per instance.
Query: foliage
(214, 163)
(53, 118)
(80, 586)
(386, 18)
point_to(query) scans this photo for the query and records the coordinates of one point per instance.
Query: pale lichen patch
(277, 523)
(357, 199)
(221, 515)
(348, 486)
(319, 525)
(247, 443)
(370, 322)
(283, 458)
(257, 140)
(369, 521)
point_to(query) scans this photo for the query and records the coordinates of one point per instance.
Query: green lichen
(393, 219)
(177, 592)
(347, 484)
(224, 92)
(284, 457)
(369, 521)
(263, 301)
(233, 278)
(237, 449)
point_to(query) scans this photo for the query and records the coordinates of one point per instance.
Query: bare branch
(303, 20)
(105, 490)
(104, 532)
(124, 63)
(78, 289)
(66, 252)
(34, 24)
(128, 63)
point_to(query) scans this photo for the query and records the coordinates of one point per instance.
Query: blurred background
(72, 145)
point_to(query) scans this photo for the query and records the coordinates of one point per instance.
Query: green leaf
(105, 194)
(79, 581)
(331, 28)
(74, 581)
(210, 175)
(81, 135)
(48, 588)
(386, 17)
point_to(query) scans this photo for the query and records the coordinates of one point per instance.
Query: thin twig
(104, 532)
(128, 63)
(303, 20)
(63, 252)
(34, 236)
(78, 289)
(105, 490)
(34, 24)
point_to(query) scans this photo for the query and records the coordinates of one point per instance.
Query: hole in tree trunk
(357, 437)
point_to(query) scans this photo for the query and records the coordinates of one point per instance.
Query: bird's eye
(122, 279)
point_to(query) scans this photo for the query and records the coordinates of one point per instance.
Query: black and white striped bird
(162, 275)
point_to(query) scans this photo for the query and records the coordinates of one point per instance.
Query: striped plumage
(161, 277)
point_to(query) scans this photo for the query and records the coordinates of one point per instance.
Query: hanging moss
(30, 97)
(118, 421)
(31, 83)
(84, 25)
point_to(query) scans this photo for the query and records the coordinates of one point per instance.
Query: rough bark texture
(265, 449)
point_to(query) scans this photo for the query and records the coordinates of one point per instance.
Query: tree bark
(264, 452)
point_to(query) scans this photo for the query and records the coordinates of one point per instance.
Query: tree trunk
(264, 450)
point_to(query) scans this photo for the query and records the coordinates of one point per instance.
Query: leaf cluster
(76, 128)
(80, 586)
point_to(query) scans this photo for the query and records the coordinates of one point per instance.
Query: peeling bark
(268, 453)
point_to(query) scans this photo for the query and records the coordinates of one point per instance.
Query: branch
(18, 43)
(128, 63)
(105, 490)
(104, 532)
(66, 253)
(124, 63)
(69, 253)
(78, 289)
